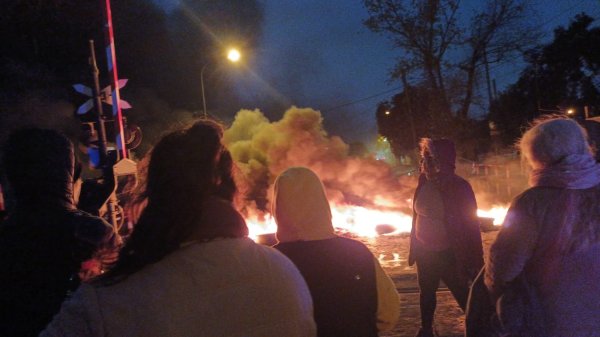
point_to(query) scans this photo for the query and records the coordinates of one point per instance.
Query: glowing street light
(387, 112)
(570, 111)
(234, 56)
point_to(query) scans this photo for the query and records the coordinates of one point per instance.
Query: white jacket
(228, 287)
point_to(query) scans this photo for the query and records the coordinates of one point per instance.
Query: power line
(362, 99)
(492, 68)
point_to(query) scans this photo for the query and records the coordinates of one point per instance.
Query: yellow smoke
(263, 149)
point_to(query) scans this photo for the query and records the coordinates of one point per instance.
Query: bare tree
(444, 49)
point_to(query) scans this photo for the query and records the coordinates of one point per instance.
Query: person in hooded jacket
(543, 270)
(45, 240)
(352, 294)
(445, 240)
(188, 268)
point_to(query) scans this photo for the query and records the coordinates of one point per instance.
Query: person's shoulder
(457, 183)
(264, 249)
(81, 218)
(90, 228)
(351, 242)
(351, 248)
(534, 194)
(460, 181)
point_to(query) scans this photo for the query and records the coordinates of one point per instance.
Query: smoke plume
(263, 149)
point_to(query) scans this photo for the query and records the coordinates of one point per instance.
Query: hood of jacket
(300, 207)
(40, 168)
(442, 152)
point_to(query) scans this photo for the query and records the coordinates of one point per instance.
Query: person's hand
(90, 269)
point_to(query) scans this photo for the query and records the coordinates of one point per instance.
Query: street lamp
(233, 55)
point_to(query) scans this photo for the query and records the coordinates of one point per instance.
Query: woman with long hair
(188, 269)
(544, 266)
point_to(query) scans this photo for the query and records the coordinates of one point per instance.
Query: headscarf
(575, 171)
(560, 154)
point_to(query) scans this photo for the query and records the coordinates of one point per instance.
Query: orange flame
(498, 213)
(364, 222)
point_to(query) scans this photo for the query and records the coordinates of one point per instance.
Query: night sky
(318, 54)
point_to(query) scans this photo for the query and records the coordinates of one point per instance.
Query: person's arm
(98, 246)
(463, 229)
(79, 316)
(472, 232)
(388, 301)
(510, 252)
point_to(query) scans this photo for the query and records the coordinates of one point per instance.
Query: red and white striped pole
(114, 78)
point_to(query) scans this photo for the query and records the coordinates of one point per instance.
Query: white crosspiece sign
(106, 95)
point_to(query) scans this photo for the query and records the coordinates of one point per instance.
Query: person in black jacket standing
(352, 295)
(45, 239)
(445, 240)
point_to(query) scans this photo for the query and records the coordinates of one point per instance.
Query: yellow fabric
(300, 207)
(388, 301)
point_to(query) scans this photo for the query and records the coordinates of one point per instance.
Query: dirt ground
(393, 256)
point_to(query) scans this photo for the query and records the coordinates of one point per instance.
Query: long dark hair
(186, 167)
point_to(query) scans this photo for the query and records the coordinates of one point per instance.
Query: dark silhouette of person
(45, 239)
(445, 237)
(188, 268)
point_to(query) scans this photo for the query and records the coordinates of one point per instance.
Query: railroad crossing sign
(106, 96)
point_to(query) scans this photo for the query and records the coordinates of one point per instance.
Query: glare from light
(234, 55)
(387, 112)
(570, 111)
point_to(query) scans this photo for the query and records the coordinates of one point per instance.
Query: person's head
(187, 168)
(300, 206)
(552, 138)
(39, 166)
(437, 156)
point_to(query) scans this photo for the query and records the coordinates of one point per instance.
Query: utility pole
(586, 111)
(112, 203)
(409, 108)
(487, 78)
(537, 87)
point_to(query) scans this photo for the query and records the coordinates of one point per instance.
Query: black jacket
(340, 274)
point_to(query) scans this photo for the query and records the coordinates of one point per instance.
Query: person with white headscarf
(544, 266)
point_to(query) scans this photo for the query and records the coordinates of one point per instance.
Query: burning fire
(496, 212)
(365, 222)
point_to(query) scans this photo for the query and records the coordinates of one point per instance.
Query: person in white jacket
(352, 294)
(189, 269)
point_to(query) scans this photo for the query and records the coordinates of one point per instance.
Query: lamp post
(202, 85)
(233, 55)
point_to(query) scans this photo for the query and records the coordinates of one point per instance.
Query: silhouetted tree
(560, 75)
(444, 58)
(406, 119)
(430, 37)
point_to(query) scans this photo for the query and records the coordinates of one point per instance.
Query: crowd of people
(189, 268)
